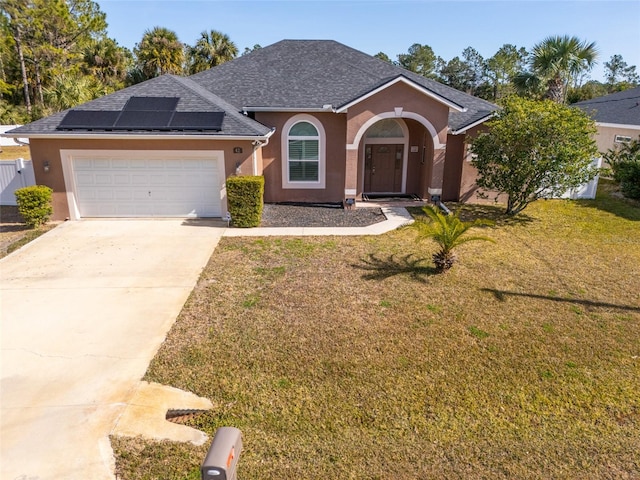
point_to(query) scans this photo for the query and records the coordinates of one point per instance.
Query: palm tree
(555, 63)
(211, 49)
(448, 232)
(67, 91)
(159, 52)
(107, 61)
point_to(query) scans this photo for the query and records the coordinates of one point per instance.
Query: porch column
(437, 172)
(351, 174)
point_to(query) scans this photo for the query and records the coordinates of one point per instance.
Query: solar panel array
(143, 113)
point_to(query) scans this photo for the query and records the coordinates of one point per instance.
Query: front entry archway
(385, 157)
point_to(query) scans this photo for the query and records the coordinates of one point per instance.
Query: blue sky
(390, 26)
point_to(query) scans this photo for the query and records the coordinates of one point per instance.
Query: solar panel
(151, 104)
(88, 120)
(197, 121)
(143, 120)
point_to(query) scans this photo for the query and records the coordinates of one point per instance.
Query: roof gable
(402, 79)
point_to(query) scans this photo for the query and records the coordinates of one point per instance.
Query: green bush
(245, 200)
(34, 204)
(629, 174)
(625, 165)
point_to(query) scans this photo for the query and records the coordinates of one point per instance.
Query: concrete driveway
(84, 308)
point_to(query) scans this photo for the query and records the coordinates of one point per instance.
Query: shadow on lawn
(470, 212)
(501, 295)
(380, 269)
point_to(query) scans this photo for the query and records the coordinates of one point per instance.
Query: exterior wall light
(46, 166)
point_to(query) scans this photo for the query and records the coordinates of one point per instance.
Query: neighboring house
(617, 117)
(321, 121)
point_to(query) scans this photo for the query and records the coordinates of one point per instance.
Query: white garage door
(148, 187)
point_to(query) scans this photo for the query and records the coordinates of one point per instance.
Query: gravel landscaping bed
(275, 215)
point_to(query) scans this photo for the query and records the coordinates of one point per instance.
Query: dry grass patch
(348, 358)
(11, 152)
(14, 233)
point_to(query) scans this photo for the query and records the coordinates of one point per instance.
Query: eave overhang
(471, 125)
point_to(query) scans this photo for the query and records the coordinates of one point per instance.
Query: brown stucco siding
(419, 163)
(454, 159)
(398, 95)
(335, 130)
(49, 150)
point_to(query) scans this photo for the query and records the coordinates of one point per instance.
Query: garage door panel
(126, 187)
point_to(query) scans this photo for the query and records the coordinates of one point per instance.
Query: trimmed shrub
(245, 200)
(34, 204)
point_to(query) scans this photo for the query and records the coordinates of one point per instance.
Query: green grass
(348, 358)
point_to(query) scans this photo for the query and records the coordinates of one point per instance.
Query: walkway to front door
(383, 168)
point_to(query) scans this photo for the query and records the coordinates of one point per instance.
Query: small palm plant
(448, 231)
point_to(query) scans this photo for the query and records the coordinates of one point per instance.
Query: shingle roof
(620, 107)
(298, 74)
(314, 73)
(193, 98)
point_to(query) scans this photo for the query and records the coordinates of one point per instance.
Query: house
(321, 121)
(617, 117)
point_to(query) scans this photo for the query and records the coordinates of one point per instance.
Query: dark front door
(383, 168)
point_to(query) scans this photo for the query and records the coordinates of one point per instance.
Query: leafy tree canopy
(159, 52)
(420, 59)
(534, 149)
(212, 48)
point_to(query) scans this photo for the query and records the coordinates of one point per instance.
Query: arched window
(387, 128)
(303, 153)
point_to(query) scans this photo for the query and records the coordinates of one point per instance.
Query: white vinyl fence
(586, 190)
(14, 174)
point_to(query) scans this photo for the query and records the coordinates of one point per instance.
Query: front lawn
(345, 357)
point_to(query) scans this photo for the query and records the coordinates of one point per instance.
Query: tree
(534, 149)
(212, 48)
(474, 69)
(248, 50)
(48, 37)
(449, 232)
(455, 74)
(556, 62)
(617, 71)
(589, 90)
(502, 68)
(67, 91)
(420, 59)
(108, 62)
(159, 52)
(383, 56)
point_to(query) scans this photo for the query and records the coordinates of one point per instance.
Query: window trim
(322, 139)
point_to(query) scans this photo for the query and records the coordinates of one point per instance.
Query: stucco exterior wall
(335, 130)
(606, 135)
(454, 160)
(49, 150)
